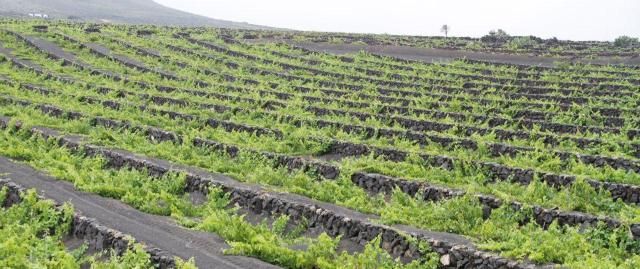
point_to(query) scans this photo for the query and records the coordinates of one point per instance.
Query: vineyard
(167, 147)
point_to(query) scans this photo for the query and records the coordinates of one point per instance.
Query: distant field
(198, 144)
(532, 46)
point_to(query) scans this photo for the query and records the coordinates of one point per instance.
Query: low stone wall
(332, 219)
(96, 236)
(384, 184)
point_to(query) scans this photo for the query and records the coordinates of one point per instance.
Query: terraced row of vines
(181, 147)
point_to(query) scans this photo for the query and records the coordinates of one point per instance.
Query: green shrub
(625, 41)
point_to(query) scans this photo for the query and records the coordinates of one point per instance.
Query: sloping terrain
(306, 159)
(116, 11)
(55, 233)
(156, 231)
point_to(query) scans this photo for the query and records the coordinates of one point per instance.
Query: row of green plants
(453, 81)
(347, 119)
(609, 138)
(457, 67)
(256, 170)
(298, 140)
(291, 145)
(33, 233)
(495, 41)
(471, 97)
(109, 39)
(598, 244)
(567, 116)
(564, 73)
(562, 118)
(297, 146)
(463, 67)
(166, 196)
(213, 32)
(609, 176)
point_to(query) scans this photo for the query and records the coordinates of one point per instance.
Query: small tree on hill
(445, 29)
(495, 36)
(625, 41)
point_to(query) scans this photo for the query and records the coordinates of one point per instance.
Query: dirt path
(157, 231)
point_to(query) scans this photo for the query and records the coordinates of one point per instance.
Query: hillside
(118, 11)
(197, 144)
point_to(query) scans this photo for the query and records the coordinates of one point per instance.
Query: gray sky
(565, 19)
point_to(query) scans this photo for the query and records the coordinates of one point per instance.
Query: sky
(564, 19)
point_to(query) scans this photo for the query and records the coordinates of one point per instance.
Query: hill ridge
(115, 11)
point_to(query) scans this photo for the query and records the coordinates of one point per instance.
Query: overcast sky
(565, 19)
